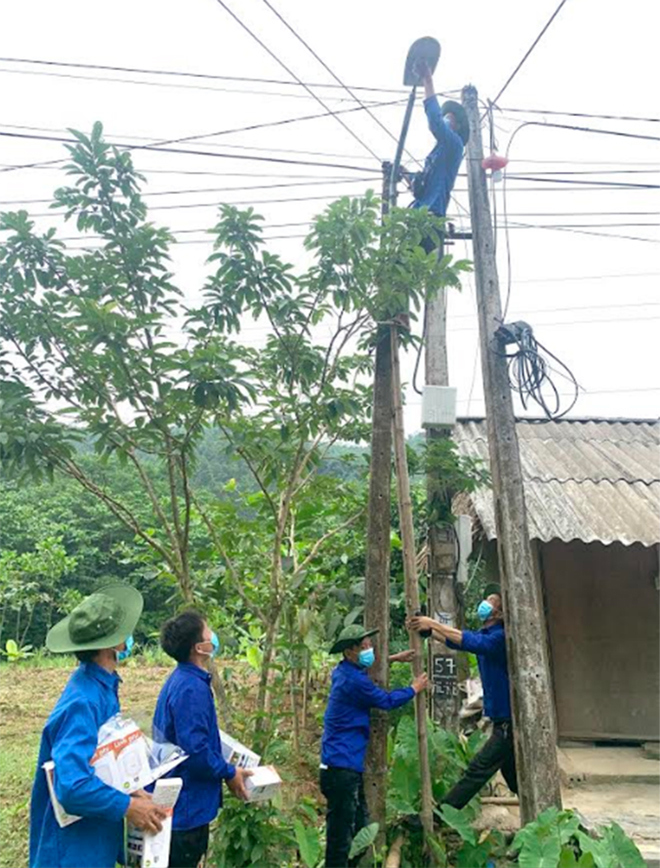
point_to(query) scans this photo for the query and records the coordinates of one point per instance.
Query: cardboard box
(263, 785)
(153, 851)
(63, 819)
(237, 754)
(122, 761)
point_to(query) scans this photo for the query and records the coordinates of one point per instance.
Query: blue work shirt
(346, 721)
(442, 164)
(489, 645)
(185, 715)
(69, 739)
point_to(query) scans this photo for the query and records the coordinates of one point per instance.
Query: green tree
(312, 392)
(85, 352)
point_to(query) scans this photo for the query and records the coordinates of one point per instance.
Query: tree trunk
(269, 651)
(305, 702)
(377, 576)
(224, 711)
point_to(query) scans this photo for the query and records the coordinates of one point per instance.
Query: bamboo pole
(410, 578)
(393, 859)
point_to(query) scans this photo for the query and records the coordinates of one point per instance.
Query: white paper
(237, 754)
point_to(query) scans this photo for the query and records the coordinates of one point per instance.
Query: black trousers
(497, 753)
(346, 814)
(188, 847)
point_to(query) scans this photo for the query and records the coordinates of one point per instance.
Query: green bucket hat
(103, 620)
(351, 635)
(492, 588)
(462, 122)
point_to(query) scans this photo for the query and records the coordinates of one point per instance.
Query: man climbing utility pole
(532, 703)
(432, 188)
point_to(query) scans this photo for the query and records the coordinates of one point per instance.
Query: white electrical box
(438, 407)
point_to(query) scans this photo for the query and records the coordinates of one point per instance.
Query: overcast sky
(591, 296)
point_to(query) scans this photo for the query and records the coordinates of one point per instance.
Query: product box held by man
(153, 851)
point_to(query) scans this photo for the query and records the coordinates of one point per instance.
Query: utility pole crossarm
(532, 696)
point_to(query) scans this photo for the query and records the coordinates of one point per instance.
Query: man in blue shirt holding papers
(99, 632)
(346, 735)
(489, 645)
(185, 715)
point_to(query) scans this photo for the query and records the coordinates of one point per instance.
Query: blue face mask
(484, 610)
(215, 643)
(126, 653)
(366, 658)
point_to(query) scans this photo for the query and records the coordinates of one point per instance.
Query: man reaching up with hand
(346, 736)
(489, 645)
(451, 129)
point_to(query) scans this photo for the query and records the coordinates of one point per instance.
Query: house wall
(604, 627)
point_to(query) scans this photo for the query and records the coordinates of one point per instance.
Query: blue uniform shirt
(346, 722)
(185, 715)
(490, 647)
(442, 164)
(69, 739)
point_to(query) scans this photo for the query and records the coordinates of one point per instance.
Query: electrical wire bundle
(530, 370)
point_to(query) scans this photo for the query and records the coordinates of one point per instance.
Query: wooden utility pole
(410, 579)
(532, 698)
(444, 603)
(377, 574)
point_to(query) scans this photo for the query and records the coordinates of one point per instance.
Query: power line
(293, 75)
(212, 190)
(635, 119)
(529, 50)
(166, 84)
(580, 129)
(567, 181)
(187, 206)
(251, 127)
(186, 74)
(160, 145)
(166, 150)
(336, 77)
(568, 394)
(588, 232)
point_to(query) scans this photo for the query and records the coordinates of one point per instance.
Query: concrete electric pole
(532, 698)
(441, 538)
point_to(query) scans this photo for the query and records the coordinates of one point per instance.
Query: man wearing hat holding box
(346, 735)
(489, 645)
(99, 632)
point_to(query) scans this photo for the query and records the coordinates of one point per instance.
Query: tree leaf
(460, 822)
(538, 852)
(364, 838)
(309, 844)
(623, 850)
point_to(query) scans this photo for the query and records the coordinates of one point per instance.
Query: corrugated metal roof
(594, 480)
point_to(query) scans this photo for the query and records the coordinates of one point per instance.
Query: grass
(30, 688)
(27, 694)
